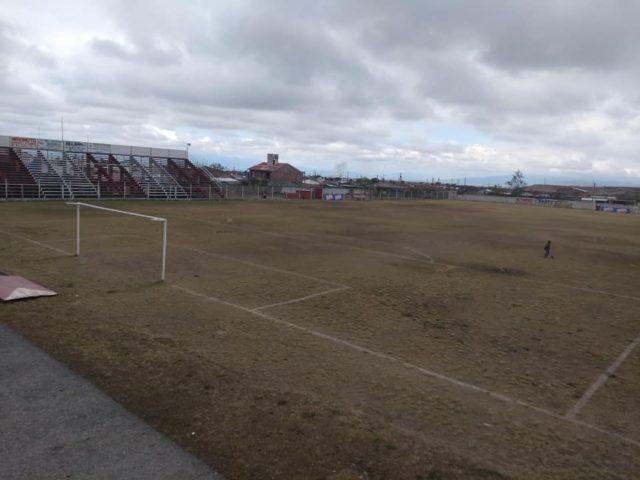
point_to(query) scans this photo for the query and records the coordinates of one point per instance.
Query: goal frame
(124, 212)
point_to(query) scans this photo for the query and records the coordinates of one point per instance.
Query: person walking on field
(547, 249)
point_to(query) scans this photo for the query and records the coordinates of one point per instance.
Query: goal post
(124, 212)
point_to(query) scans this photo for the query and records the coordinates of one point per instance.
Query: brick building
(274, 172)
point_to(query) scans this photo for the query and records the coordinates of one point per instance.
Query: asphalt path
(56, 425)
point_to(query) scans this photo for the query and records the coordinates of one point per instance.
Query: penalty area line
(425, 371)
(295, 300)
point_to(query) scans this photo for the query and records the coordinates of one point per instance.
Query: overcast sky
(419, 88)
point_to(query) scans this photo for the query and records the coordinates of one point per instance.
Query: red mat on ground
(14, 288)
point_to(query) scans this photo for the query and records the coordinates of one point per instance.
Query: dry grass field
(384, 340)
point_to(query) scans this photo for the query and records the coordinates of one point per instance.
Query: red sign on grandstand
(24, 142)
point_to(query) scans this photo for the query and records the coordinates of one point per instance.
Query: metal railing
(18, 191)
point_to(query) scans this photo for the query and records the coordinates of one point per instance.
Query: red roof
(265, 167)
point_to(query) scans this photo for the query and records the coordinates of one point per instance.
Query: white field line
(432, 261)
(295, 300)
(377, 252)
(37, 243)
(218, 255)
(602, 379)
(425, 371)
(429, 259)
(422, 254)
(384, 356)
(569, 416)
(257, 265)
(588, 290)
(324, 243)
(101, 236)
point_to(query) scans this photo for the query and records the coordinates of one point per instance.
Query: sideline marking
(601, 380)
(408, 365)
(287, 302)
(37, 243)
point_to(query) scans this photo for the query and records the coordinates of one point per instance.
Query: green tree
(517, 182)
(217, 166)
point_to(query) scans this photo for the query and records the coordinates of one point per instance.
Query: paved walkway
(55, 425)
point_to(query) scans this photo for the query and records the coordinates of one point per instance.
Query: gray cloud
(536, 85)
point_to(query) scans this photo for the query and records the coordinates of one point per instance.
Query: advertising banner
(99, 148)
(24, 142)
(45, 144)
(75, 146)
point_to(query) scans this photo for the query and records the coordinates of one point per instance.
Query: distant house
(274, 172)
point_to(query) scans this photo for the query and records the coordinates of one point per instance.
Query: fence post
(98, 189)
(242, 192)
(209, 191)
(38, 189)
(190, 191)
(6, 188)
(22, 191)
(272, 192)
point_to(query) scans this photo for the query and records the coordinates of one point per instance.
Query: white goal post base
(124, 212)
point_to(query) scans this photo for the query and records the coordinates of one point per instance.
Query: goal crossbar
(124, 212)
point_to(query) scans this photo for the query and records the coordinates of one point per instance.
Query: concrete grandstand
(55, 169)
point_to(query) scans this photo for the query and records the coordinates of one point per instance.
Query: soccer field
(398, 340)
